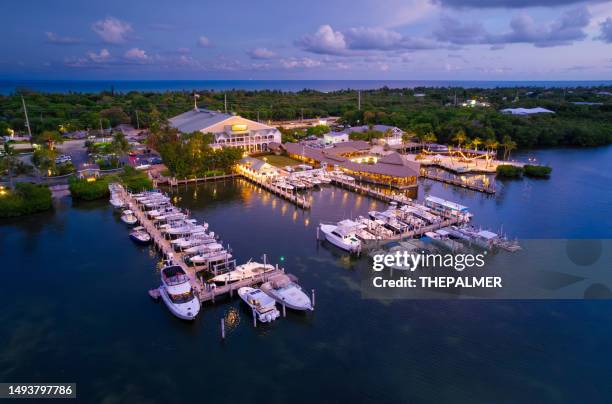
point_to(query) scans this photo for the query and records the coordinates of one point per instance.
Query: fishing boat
(285, 291)
(264, 307)
(177, 294)
(343, 235)
(140, 236)
(128, 217)
(244, 271)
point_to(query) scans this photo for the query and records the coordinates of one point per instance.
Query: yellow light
(239, 127)
(91, 179)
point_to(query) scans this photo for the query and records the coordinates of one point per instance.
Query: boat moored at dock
(263, 306)
(343, 235)
(177, 293)
(140, 236)
(245, 271)
(288, 293)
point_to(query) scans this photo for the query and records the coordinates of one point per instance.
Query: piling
(254, 319)
(284, 310)
(222, 328)
(313, 298)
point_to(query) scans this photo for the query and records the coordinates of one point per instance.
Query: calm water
(75, 307)
(94, 86)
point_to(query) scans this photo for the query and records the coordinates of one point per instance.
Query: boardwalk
(353, 186)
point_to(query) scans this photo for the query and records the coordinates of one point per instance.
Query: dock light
(282, 258)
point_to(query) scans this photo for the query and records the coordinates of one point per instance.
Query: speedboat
(140, 235)
(204, 247)
(264, 307)
(128, 217)
(177, 294)
(342, 235)
(286, 292)
(244, 271)
(213, 256)
(193, 240)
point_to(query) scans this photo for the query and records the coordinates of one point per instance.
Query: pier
(487, 189)
(203, 291)
(299, 200)
(365, 190)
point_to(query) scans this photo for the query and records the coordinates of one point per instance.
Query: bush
(537, 171)
(135, 180)
(88, 191)
(27, 198)
(509, 171)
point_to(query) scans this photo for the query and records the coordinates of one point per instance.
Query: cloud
(509, 3)
(261, 53)
(352, 41)
(183, 51)
(102, 56)
(136, 54)
(112, 30)
(606, 30)
(325, 41)
(204, 42)
(292, 63)
(56, 39)
(565, 30)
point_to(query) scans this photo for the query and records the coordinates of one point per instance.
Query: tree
(460, 138)
(9, 162)
(430, 137)
(508, 144)
(476, 142)
(50, 137)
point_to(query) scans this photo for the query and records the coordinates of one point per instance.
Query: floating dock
(294, 198)
(365, 190)
(487, 189)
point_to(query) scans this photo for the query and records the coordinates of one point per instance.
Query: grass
(280, 161)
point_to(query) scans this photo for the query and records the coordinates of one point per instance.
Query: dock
(299, 200)
(365, 190)
(487, 189)
(202, 290)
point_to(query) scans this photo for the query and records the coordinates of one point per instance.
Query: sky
(307, 39)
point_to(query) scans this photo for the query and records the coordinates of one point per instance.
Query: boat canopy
(447, 204)
(486, 234)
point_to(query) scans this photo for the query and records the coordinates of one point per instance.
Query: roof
(392, 158)
(197, 119)
(527, 111)
(336, 134)
(379, 128)
(255, 164)
(448, 204)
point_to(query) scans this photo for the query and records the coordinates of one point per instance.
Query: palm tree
(460, 138)
(430, 137)
(490, 145)
(477, 141)
(508, 144)
(388, 133)
(9, 162)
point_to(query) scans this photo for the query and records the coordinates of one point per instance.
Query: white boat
(177, 294)
(263, 305)
(204, 247)
(116, 202)
(140, 235)
(128, 217)
(286, 292)
(343, 235)
(193, 240)
(206, 258)
(244, 271)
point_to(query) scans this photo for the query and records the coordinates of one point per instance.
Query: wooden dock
(299, 200)
(365, 190)
(487, 189)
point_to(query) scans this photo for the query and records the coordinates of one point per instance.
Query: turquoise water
(75, 307)
(92, 86)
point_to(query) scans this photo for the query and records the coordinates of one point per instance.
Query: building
(526, 111)
(335, 137)
(475, 103)
(355, 158)
(228, 130)
(395, 134)
(257, 166)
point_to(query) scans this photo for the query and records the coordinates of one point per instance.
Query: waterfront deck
(365, 190)
(474, 186)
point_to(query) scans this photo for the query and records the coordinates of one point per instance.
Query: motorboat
(128, 217)
(116, 202)
(285, 291)
(244, 271)
(188, 228)
(204, 247)
(207, 258)
(193, 240)
(177, 294)
(343, 235)
(140, 236)
(264, 307)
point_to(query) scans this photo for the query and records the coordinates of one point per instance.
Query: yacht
(128, 217)
(210, 257)
(177, 294)
(205, 247)
(244, 271)
(286, 292)
(140, 236)
(263, 305)
(343, 235)
(193, 240)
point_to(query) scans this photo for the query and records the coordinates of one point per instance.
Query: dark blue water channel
(75, 306)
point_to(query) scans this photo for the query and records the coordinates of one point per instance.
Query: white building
(526, 111)
(228, 130)
(335, 137)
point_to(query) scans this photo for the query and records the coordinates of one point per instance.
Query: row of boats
(301, 180)
(200, 245)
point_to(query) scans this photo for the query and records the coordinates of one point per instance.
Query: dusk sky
(344, 39)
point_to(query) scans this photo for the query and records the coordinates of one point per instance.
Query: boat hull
(186, 311)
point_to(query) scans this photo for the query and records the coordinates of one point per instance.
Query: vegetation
(537, 171)
(509, 171)
(436, 113)
(190, 156)
(25, 199)
(81, 189)
(134, 180)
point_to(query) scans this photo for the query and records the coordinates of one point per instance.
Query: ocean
(94, 86)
